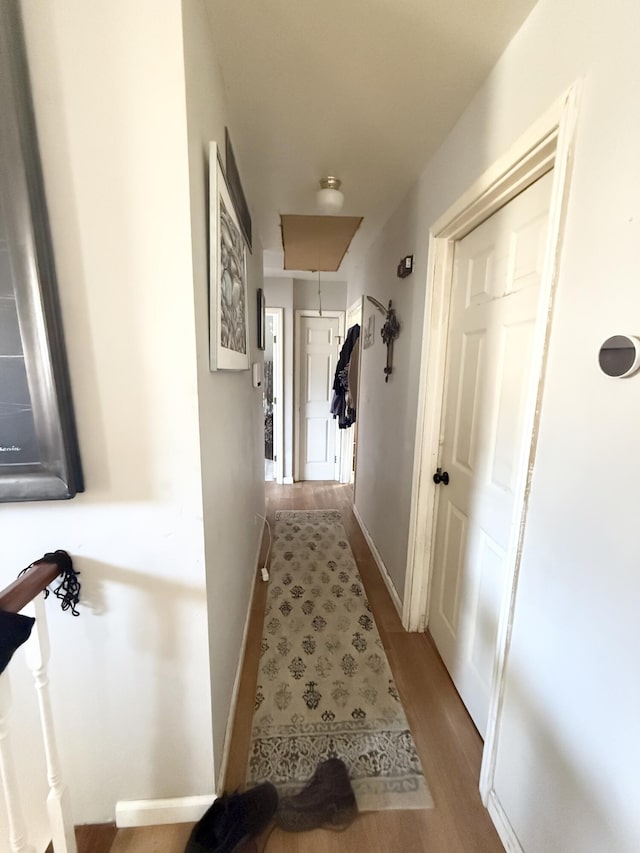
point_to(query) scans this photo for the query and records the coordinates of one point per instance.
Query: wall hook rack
(390, 331)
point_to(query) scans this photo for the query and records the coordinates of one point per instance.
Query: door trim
(547, 145)
(299, 314)
(278, 393)
(347, 445)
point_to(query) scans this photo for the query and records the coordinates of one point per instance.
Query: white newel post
(58, 804)
(17, 833)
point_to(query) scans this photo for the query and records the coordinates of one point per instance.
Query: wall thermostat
(619, 356)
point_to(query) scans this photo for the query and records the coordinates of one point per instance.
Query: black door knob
(441, 477)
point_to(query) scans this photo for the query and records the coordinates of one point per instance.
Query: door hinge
(275, 400)
(275, 340)
(275, 458)
(335, 459)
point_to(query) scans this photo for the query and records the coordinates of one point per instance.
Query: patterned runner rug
(324, 683)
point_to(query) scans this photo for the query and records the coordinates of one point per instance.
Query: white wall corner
(502, 824)
(386, 577)
(156, 812)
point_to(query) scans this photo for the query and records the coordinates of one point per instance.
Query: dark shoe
(326, 800)
(232, 821)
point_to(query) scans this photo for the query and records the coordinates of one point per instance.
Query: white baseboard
(503, 825)
(226, 749)
(155, 812)
(288, 481)
(380, 563)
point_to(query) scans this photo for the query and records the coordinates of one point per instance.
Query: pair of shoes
(230, 824)
(326, 800)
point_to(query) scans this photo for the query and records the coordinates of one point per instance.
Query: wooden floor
(448, 743)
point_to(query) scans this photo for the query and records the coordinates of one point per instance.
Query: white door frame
(346, 435)
(545, 146)
(307, 312)
(278, 393)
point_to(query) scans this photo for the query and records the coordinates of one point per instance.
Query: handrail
(23, 590)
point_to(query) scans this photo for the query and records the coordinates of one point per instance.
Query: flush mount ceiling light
(329, 199)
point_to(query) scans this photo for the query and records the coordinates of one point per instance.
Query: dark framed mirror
(39, 454)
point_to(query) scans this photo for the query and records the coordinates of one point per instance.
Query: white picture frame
(369, 332)
(229, 346)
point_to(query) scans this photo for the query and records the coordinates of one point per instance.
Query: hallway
(416, 108)
(449, 746)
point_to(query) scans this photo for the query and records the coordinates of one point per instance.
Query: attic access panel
(317, 242)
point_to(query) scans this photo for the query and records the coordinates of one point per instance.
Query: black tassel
(68, 590)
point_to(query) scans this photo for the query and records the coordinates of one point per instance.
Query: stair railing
(26, 594)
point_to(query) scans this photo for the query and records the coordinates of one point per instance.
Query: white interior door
(495, 306)
(318, 353)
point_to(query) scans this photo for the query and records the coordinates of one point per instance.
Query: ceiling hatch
(316, 242)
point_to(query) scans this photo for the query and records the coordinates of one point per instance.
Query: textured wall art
(368, 332)
(229, 320)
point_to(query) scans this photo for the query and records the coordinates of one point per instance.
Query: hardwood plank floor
(93, 838)
(448, 743)
(152, 839)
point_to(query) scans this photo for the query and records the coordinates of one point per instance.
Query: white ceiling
(362, 89)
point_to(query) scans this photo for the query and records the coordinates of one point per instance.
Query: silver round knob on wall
(619, 356)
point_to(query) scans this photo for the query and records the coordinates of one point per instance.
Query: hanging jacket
(339, 409)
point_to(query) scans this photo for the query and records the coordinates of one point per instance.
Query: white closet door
(494, 312)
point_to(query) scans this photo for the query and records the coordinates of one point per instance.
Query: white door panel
(318, 357)
(494, 312)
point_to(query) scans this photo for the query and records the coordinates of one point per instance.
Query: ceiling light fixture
(329, 199)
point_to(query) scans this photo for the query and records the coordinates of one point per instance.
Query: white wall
(305, 294)
(569, 744)
(387, 410)
(230, 408)
(131, 675)
(279, 294)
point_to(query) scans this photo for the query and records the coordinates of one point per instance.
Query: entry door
(277, 316)
(318, 357)
(494, 315)
(268, 400)
(272, 396)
